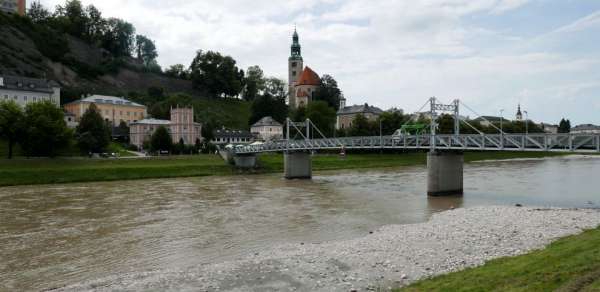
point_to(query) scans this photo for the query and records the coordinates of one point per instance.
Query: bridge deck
(576, 143)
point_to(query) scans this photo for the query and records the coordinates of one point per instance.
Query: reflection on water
(57, 235)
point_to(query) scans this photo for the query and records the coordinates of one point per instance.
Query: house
(487, 121)
(586, 129)
(113, 109)
(226, 136)
(23, 90)
(347, 114)
(13, 6)
(267, 129)
(181, 127)
(549, 129)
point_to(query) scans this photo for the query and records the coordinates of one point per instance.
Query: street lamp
(502, 121)
(526, 123)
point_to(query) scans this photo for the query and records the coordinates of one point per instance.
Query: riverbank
(569, 264)
(391, 256)
(52, 171)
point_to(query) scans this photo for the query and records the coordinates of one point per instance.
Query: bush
(45, 131)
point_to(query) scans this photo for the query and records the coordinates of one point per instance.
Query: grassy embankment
(47, 171)
(570, 264)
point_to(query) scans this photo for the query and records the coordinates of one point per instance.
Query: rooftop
(585, 127)
(103, 99)
(267, 121)
(27, 84)
(152, 122)
(309, 77)
(226, 133)
(360, 109)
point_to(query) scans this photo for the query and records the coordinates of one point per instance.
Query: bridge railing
(488, 142)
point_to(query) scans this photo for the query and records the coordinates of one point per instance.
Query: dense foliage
(216, 75)
(161, 140)
(329, 92)
(564, 126)
(11, 123)
(44, 131)
(93, 133)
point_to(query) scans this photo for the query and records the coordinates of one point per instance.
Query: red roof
(309, 77)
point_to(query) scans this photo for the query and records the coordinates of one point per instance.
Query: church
(302, 81)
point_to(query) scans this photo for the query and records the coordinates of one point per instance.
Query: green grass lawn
(570, 264)
(20, 171)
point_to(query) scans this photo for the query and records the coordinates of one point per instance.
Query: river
(55, 235)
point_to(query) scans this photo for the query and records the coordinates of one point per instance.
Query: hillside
(36, 50)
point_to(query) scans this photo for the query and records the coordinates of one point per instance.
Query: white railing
(577, 143)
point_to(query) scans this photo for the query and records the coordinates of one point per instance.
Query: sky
(490, 54)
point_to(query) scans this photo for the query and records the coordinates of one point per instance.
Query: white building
(23, 90)
(549, 129)
(226, 136)
(267, 129)
(586, 129)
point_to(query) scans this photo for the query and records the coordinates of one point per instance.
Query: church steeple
(519, 113)
(296, 48)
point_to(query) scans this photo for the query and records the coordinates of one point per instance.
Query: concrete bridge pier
(445, 173)
(245, 160)
(297, 165)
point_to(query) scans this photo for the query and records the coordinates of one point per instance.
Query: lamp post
(380, 133)
(526, 123)
(502, 128)
(502, 121)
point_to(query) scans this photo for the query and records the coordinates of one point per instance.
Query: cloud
(385, 52)
(589, 21)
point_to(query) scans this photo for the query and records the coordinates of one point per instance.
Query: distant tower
(519, 114)
(295, 67)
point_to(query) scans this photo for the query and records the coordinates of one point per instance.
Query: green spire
(296, 48)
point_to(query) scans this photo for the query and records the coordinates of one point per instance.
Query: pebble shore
(390, 257)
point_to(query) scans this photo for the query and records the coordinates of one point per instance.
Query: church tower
(519, 114)
(295, 68)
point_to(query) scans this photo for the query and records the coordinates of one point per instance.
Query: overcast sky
(492, 54)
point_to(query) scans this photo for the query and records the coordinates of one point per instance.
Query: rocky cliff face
(25, 51)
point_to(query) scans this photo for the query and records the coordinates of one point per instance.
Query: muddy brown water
(56, 235)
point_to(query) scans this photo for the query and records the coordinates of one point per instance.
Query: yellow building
(113, 109)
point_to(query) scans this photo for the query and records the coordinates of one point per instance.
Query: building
(13, 6)
(71, 120)
(113, 109)
(586, 129)
(347, 114)
(181, 127)
(23, 90)
(519, 116)
(302, 81)
(267, 129)
(549, 129)
(226, 136)
(487, 121)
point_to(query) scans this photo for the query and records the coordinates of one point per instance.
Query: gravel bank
(389, 257)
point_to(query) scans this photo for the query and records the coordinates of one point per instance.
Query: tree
(361, 126)
(119, 37)
(45, 130)
(11, 123)
(216, 75)
(73, 18)
(266, 105)
(161, 140)
(564, 126)
(96, 24)
(276, 87)
(38, 13)
(322, 116)
(145, 50)
(391, 121)
(329, 92)
(178, 71)
(93, 134)
(255, 83)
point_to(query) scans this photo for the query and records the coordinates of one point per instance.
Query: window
(25, 98)
(293, 73)
(15, 97)
(128, 113)
(6, 96)
(294, 64)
